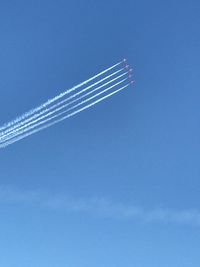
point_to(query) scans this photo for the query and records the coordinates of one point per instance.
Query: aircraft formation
(68, 103)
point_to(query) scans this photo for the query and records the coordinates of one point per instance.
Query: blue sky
(117, 185)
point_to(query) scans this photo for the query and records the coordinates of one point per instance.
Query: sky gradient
(117, 185)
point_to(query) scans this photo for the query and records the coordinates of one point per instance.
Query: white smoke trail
(11, 129)
(26, 127)
(55, 109)
(63, 118)
(50, 101)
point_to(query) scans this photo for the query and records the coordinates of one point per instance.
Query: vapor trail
(63, 118)
(26, 127)
(11, 129)
(50, 101)
(55, 109)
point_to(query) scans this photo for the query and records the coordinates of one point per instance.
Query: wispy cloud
(97, 206)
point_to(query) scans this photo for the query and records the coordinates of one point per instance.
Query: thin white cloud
(98, 207)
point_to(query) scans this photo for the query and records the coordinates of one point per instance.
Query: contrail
(23, 122)
(31, 121)
(50, 101)
(63, 118)
(21, 130)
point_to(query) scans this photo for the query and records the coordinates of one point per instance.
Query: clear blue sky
(117, 185)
